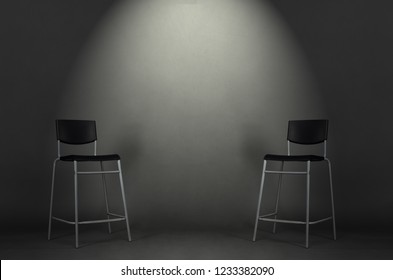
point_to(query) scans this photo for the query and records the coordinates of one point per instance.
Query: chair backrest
(76, 132)
(307, 132)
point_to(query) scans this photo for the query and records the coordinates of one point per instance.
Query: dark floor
(96, 243)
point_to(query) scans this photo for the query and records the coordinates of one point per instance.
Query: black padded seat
(293, 158)
(90, 157)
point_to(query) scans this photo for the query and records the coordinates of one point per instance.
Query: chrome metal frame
(76, 221)
(307, 221)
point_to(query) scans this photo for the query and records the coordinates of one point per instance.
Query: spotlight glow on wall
(190, 86)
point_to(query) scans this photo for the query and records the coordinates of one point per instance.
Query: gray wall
(192, 94)
(348, 44)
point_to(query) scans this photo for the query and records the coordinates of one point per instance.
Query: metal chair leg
(76, 205)
(308, 204)
(331, 194)
(106, 197)
(51, 199)
(124, 200)
(278, 196)
(259, 201)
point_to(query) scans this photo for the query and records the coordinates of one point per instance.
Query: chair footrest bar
(286, 172)
(261, 218)
(64, 221)
(267, 215)
(115, 215)
(282, 221)
(90, 222)
(97, 172)
(321, 220)
(102, 221)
